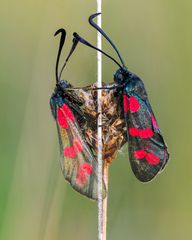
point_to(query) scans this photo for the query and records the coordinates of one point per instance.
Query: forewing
(147, 150)
(78, 164)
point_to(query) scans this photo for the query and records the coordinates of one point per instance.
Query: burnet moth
(78, 162)
(148, 153)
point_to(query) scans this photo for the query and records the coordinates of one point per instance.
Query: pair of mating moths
(126, 114)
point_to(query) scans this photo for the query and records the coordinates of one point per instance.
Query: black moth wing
(78, 164)
(148, 152)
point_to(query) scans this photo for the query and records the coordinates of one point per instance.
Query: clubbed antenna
(82, 40)
(93, 24)
(62, 41)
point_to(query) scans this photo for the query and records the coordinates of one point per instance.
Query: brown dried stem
(113, 130)
(105, 201)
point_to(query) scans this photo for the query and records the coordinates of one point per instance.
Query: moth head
(121, 75)
(63, 84)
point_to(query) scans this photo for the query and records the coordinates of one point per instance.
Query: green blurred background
(155, 40)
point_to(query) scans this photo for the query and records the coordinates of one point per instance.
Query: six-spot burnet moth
(78, 163)
(148, 153)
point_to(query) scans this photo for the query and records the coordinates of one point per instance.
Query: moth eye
(120, 76)
(64, 84)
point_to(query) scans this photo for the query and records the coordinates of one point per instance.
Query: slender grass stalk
(102, 205)
(105, 201)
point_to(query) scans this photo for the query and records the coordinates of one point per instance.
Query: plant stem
(105, 201)
(99, 132)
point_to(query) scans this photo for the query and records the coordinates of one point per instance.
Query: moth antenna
(83, 41)
(75, 42)
(93, 24)
(62, 41)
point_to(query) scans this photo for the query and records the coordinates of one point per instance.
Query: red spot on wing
(145, 133)
(77, 145)
(134, 132)
(152, 159)
(62, 121)
(125, 103)
(68, 112)
(84, 169)
(139, 154)
(134, 104)
(87, 168)
(62, 114)
(155, 125)
(69, 152)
